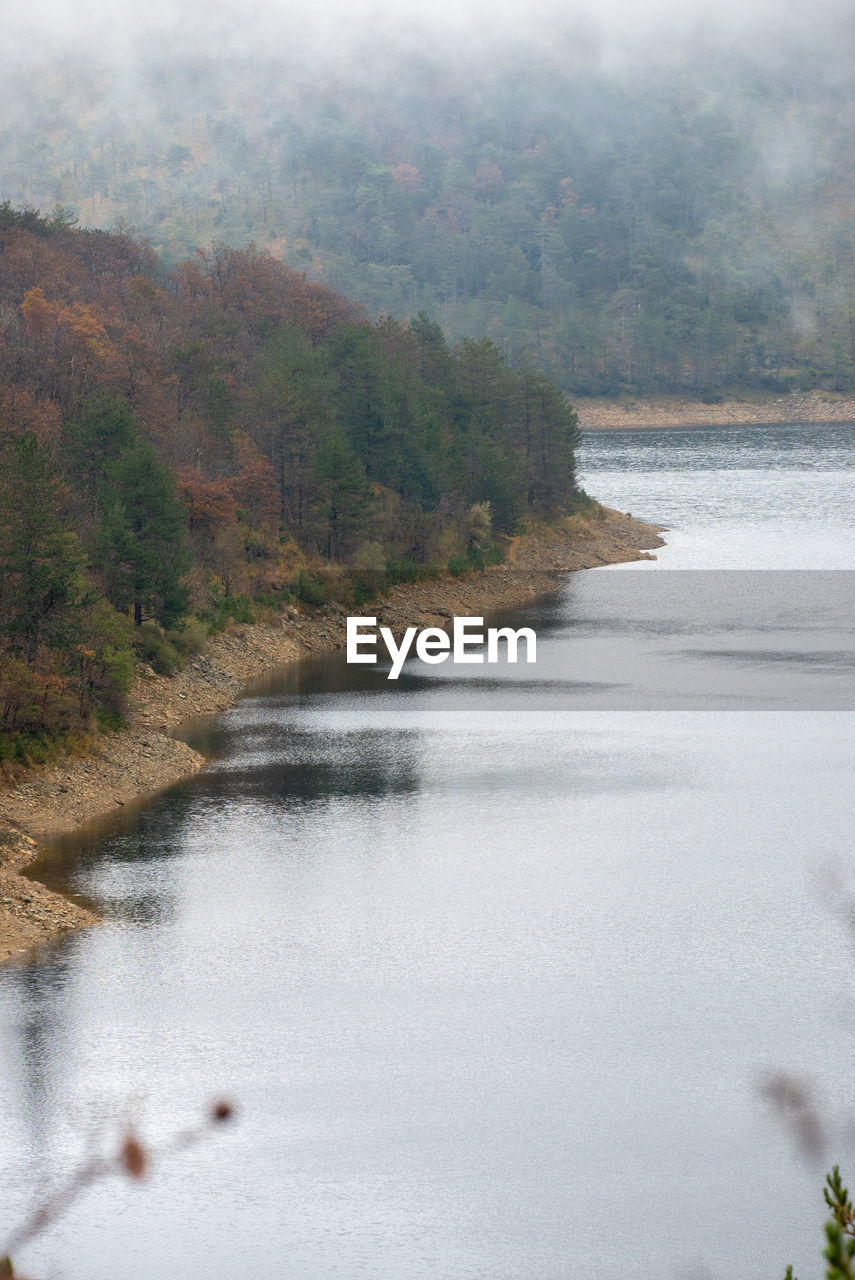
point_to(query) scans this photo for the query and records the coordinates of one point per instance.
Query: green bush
(475, 560)
(364, 586)
(31, 748)
(309, 588)
(109, 719)
(276, 598)
(190, 638)
(405, 570)
(236, 609)
(584, 505)
(224, 610)
(255, 548)
(151, 646)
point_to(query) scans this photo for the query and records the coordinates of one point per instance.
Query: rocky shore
(674, 411)
(121, 768)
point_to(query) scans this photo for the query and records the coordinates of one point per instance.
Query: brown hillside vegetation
(185, 447)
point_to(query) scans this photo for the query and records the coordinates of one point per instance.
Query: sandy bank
(673, 411)
(143, 758)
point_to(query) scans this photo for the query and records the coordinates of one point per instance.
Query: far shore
(122, 769)
(658, 412)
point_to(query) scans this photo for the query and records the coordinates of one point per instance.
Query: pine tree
(141, 537)
(43, 585)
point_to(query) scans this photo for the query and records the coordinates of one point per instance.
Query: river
(493, 962)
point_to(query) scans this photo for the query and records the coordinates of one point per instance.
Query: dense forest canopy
(670, 210)
(180, 445)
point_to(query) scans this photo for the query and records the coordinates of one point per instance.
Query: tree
(64, 652)
(103, 427)
(344, 494)
(293, 410)
(362, 396)
(549, 436)
(141, 536)
(43, 584)
(139, 541)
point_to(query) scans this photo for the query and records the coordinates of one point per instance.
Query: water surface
(492, 960)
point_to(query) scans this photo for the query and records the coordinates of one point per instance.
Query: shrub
(151, 646)
(275, 598)
(236, 609)
(364, 586)
(475, 560)
(405, 570)
(189, 639)
(309, 588)
(583, 504)
(109, 719)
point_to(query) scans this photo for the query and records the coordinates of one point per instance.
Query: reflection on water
(491, 962)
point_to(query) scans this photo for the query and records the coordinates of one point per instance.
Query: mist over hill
(653, 199)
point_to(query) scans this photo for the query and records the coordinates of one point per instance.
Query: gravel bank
(672, 411)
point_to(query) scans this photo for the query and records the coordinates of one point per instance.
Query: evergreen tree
(104, 425)
(141, 537)
(363, 399)
(549, 434)
(43, 584)
(291, 413)
(345, 497)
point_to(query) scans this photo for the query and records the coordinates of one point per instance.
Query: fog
(414, 156)
(365, 40)
(225, 28)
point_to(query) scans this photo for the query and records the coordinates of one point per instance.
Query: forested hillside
(677, 220)
(178, 447)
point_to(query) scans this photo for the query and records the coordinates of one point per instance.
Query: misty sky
(220, 27)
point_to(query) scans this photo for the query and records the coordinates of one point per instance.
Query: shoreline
(659, 412)
(144, 758)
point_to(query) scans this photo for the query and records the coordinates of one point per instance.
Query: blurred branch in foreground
(132, 1158)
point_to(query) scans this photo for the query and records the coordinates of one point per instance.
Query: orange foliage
(247, 282)
(40, 316)
(566, 192)
(20, 412)
(407, 176)
(489, 177)
(209, 502)
(86, 327)
(87, 312)
(74, 350)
